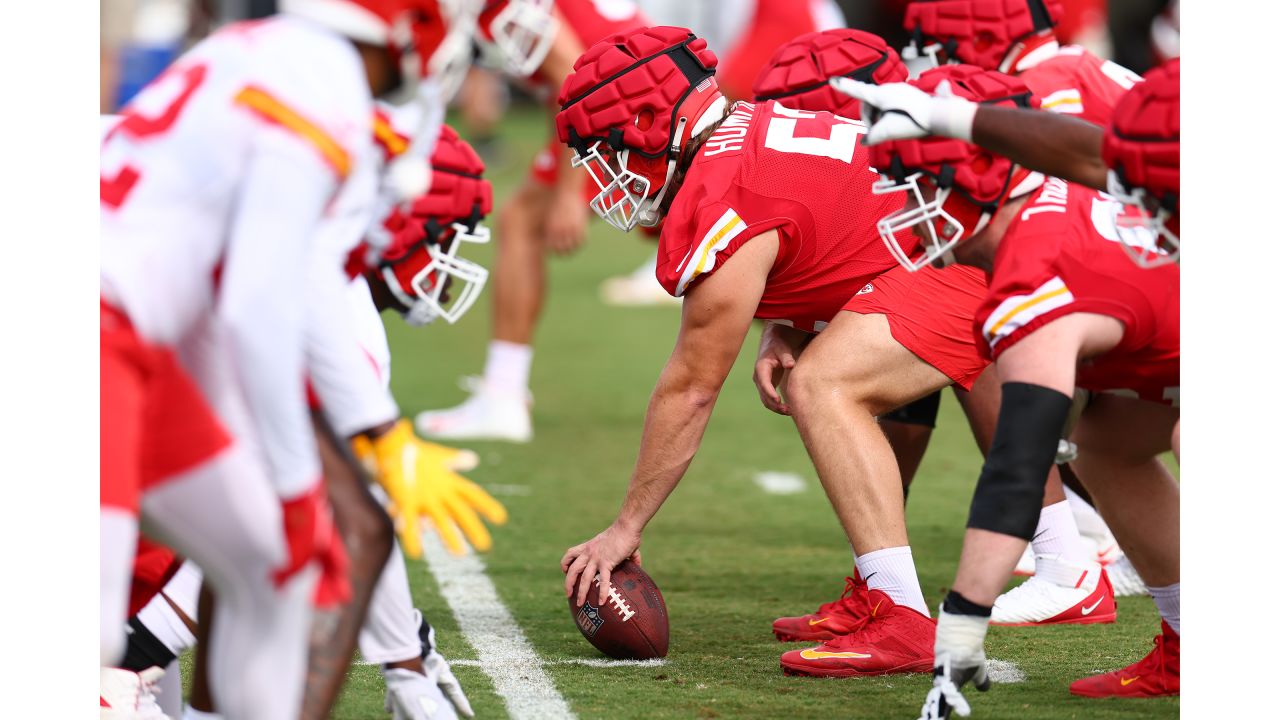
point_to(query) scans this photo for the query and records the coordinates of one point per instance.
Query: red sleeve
(690, 249)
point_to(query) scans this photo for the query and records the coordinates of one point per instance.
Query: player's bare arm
(715, 319)
(780, 347)
(565, 225)
(1075, 154)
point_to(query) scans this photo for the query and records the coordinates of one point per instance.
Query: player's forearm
(986, 564)
(676, 419)
(1056, 145)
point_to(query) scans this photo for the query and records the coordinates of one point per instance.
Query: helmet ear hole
(644, 119)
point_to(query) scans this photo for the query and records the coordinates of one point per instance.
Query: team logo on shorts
(866, 289)
(589, 619)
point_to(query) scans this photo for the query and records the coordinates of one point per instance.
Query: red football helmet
(518, 33)
(797, 74)
(421, 263)
(986, 33)
(427, 38)
(631, 104)
(955, 187)
(1142, 151)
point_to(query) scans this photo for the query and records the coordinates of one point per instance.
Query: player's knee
(806, 387)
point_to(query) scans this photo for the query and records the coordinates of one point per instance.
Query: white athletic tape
(779, 483)
(503, 652)
(1004, 672)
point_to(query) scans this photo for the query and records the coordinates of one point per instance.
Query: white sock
(893, 572)
(190, 713)
(507, 367)
(1057, 534)
(1169, 603)
(1088, 520)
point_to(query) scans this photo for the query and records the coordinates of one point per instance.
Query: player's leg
(366, 533)
(225, 516)
(852, 372)
(909, 429)
(1120, 441)
(499, 405)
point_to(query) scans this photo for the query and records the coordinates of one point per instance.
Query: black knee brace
(144, 649)
(920, 412)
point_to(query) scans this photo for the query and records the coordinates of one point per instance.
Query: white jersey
(214, 185)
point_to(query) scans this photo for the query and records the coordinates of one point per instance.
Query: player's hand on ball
(421, 484)
(959, 657)
(599, 555)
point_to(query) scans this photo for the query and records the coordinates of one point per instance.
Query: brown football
(632, 623)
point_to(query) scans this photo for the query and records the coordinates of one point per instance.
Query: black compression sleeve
(920, 412)
(1011, 488)
(144, 649)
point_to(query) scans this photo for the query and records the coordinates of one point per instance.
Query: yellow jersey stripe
(706, 248)
(386, 136)
(1023, 306)
(269, 108)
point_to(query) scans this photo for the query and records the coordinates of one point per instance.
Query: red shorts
(154, 566)
(155, 421)
(931, 313)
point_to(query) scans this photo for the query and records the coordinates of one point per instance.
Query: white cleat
(413, 696)
(639, 288)
(1026, 566)
(1061, 592)
(127, 695)
(1125, 579)
(486, 415)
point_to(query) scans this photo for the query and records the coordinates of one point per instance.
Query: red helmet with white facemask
(426, 38)
(954, 187)
(797, 75)
(1143, 155)
(421, 266)
(988, 33)
(632, 103)
(517, 34)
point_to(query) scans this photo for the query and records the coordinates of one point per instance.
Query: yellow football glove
(420, 479)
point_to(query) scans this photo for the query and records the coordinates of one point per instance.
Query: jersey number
(841, 145)
(135, 125)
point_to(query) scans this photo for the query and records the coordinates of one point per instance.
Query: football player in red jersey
(759, 224)
(799, 78)
(545, 215)
(1061, 290)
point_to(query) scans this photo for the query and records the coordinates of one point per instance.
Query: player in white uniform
(214, 186)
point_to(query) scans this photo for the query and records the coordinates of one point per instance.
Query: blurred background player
(421, 260)
(545, 215)
(1061, 290)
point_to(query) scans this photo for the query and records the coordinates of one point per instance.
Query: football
(632, 623)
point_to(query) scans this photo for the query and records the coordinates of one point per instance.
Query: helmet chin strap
(710, 112)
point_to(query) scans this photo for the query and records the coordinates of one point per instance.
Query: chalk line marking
(1004, 672)
(589, 662)
(503, 652)
(779, 483)
(501, 489)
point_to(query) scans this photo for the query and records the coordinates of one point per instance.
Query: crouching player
(1066, 308)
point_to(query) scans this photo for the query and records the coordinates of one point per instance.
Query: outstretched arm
(716, 316)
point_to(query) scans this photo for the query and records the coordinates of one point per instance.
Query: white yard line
(1005, 672)
(504, 653)
(779, 483)
(589, 662)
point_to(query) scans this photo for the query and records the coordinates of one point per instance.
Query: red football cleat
(1152, 676)
(838, 617)
(893, 639)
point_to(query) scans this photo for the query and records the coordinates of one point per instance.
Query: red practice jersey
(1060, 256)
(594, 20)
(1076, 82)
(804, 174)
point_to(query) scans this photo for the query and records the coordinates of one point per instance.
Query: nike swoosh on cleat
(1090, 608)
(1125, 682)
(818, 622)
(821, 655)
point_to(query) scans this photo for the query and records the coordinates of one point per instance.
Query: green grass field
(728, 557)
